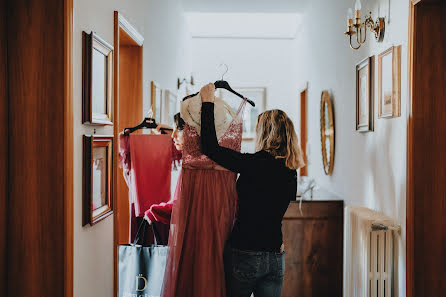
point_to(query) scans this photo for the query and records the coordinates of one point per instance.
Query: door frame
(68, 148)
(120, 23)
(4, 122)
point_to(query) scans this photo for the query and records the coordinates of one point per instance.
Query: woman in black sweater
(254, 259)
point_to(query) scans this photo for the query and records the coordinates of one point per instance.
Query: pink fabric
(202, 217)
(146, 161)
(151, 159)
(162, 212)
(176, 156)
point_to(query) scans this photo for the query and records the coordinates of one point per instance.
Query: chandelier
(359, 28)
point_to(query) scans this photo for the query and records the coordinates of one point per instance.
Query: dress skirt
(202, 217)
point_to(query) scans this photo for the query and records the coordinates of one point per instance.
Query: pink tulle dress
(202, 218)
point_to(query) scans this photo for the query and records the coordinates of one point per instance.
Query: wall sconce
(184, 80)
(360, 29)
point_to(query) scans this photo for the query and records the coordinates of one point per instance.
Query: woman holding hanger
(254, 257)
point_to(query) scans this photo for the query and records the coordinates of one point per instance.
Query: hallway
(273, 52)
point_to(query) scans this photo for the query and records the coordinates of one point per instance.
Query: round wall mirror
(327, 132)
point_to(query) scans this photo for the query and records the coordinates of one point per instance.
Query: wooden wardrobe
(313, 243)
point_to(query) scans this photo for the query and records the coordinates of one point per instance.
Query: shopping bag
(141, 269)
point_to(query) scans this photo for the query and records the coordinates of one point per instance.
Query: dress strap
(242, 106)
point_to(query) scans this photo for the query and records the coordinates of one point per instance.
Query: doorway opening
(128, 106)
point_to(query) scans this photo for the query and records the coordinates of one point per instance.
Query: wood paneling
(426, 187)
(36, 211)
(313, 249)
(3, 148)
(303, 129)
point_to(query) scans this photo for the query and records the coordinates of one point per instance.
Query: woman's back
(254, 262)
(265, 190)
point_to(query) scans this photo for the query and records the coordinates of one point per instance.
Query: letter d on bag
(138, 283)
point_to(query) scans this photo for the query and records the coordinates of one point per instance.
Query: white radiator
(368, 253)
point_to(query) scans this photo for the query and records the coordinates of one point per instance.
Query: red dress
(146, 162)
(202, 218)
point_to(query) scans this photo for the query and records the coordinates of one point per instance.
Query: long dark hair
(179, 122)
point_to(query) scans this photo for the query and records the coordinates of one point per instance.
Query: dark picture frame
(365, 101)
(97, 178)
(97, 80)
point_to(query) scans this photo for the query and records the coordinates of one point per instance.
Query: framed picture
(97, 178)
(170, 107)
(256, 94)
(364, 95)
(156, 100)
(389, 83)
(97, 80)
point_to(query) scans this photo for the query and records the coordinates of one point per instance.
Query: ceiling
(243, 25)
(245, 6)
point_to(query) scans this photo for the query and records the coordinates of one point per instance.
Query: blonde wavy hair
(275, 134)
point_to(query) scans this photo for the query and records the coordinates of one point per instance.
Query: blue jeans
(249, 272)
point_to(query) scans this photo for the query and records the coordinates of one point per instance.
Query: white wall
(165, 58)
(252, 62)
(370, 168)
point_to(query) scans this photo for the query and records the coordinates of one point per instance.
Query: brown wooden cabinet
(313, 249)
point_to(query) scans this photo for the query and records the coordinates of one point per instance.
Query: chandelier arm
(359, 35)
(355, 48)
(365, 35)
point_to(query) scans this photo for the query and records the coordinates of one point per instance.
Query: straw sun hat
(191, 114)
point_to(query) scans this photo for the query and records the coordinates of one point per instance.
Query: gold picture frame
(327, 133)
(365, 95)
(389, 83)
(97, 80)
(97, 178)
(156, 99)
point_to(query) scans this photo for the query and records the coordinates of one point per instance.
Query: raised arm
(229, 159)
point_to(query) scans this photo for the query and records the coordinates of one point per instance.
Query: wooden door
(39, 179)
(3, 149)
(426, 158)
(313, 249)
(303, 129)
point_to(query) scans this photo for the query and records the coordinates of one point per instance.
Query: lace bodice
(232, 139)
